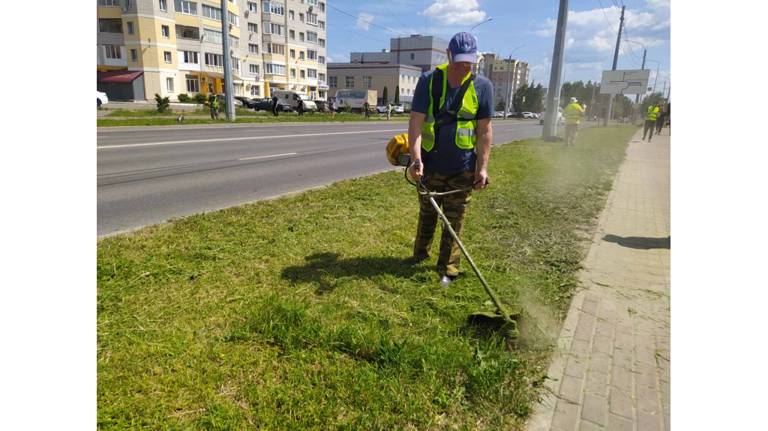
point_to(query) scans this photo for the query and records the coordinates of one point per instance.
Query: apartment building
(170, 47)
(507, 75)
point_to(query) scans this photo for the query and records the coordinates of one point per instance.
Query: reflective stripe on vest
(466, 121)
(652, 113)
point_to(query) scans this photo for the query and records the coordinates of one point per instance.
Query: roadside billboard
(625, 81)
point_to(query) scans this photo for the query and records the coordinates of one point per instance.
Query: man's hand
(416, 170)
(481, 180)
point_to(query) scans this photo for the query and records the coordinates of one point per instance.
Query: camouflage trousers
(453, 206)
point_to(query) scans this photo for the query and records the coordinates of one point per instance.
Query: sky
(526, 27)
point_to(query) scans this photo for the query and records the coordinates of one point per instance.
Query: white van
(355, 99)
(291, 98)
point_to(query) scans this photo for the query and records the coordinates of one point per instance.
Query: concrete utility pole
(228, 90)
(637, 96)
(509, 88)
(615, 61)
(555, 74)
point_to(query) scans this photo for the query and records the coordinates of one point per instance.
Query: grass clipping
(303, 313)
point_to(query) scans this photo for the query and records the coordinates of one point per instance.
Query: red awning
(118, 76)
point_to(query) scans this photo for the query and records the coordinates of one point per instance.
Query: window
(311, 54)
(321, 59)
(274, 69)
(191, 57)
(321, 24)
(252, 6)
(166, 31)
(322, 6)
(255, 90)
(134, 55)
(311, 37)
(367, 81)
(110, 25)
(321, 76)
(234, 42)
(127, 3)
(321, 42)
(293, 53)
(212, 36)
(167, 57)
(169, 84)
(301, 55)
(253, 48)
(312, 2)
(350, 82)
(185, 7)
(303, 74)
(163, 5)
(253, 27)
(292, 34)
(193, 84)
(233, 19)
(272, 7)
(311, 18)
(293, 73)
(311, 73)
(332, 81)
(212, 12)
(184, 32)
(276, 48)
(129, 27)
(254, 69)
(413, 56)
(301, 36)
(112, 51)
(109, 2)
(291, 15)
(272, 28)
(301, 17)
(214, 60)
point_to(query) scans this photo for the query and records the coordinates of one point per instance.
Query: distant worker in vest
(367, 109)
(450, 139)
(661, 119)
(650, 120)
(389, 111)
(573, 115)
(213, 104)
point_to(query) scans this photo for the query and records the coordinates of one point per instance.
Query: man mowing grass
(450, 118)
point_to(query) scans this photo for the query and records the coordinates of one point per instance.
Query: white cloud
(464, 12)
(364, 21)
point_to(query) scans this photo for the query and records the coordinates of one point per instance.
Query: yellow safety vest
(653, 111)
(573, 113)
(466, 121)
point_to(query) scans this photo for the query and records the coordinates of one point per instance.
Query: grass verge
(153, 118)
(303, 312)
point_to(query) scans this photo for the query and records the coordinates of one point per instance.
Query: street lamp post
(481, 23)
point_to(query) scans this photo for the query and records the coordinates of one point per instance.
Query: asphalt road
(148, 175)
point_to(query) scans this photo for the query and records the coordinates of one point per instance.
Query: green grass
(153, 118)
(303, 313)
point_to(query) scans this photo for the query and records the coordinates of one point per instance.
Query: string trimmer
(502, 319)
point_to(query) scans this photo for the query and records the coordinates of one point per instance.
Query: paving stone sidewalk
(611, 370)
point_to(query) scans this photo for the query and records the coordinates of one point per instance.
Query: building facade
(397, 68)
(507, 75)
(176, 45)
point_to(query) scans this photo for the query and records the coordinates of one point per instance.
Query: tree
(385, 96)
(162, 103)
(397, 95)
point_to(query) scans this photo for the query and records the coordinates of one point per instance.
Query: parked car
(223, 101)
(381, 109)
(291, 99)
(246, 101)
(529, 115)
(322, 105)
(101, 99)
(399, 109)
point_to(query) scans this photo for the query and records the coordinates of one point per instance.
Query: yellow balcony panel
(109, 12)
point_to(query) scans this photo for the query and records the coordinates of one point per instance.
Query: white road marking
(245, 138)
(267, 157)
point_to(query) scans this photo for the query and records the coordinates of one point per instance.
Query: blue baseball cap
(463, 47)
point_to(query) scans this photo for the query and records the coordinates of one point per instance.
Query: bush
(200, 98)
(162, 103)
(184, 98)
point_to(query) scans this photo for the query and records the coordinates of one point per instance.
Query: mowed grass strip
(304, 313)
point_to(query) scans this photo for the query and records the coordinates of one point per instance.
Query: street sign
(624, 81)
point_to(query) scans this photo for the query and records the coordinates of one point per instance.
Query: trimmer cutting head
(497, 322)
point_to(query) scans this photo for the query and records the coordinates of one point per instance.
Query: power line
(370, 23)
